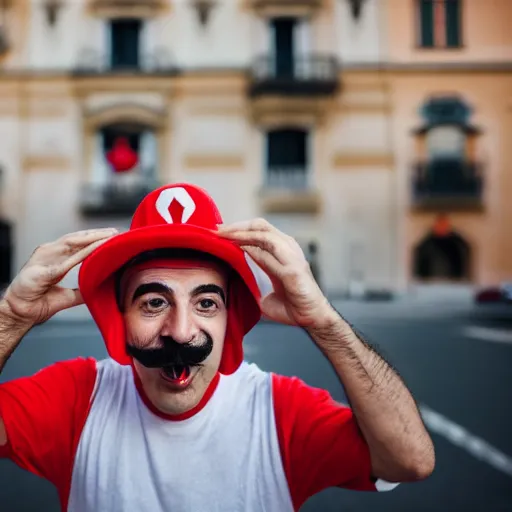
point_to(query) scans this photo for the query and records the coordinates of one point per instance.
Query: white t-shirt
(257, 442)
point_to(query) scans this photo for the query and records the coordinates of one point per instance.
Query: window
(440, 23)
(287, 158)
(283, 46)
(446, 142)
(290, 48)
(125, 43)
(141, 139)
(113, 133)
(449, 109)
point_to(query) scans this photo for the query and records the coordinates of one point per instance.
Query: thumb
(274, 308)
(60, 298)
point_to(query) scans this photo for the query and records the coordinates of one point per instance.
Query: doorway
(445, 257)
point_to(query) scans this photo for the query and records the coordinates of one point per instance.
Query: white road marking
(459, 436)
(489, 334)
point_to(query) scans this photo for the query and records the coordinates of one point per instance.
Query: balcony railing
(114, 198)
(311, 75)
(287, 178)
(448, 183)
(288, 190)
(93, 62)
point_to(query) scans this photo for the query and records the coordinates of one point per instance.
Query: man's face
(175, 321)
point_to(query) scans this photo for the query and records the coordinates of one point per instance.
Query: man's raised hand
(34, 295)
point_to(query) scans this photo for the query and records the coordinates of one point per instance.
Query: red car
(494, 294)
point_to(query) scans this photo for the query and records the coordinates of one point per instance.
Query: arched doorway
(5, 253)
(446, 257)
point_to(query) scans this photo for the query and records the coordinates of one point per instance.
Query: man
(175, 420)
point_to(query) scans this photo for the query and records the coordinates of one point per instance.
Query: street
(459, 372)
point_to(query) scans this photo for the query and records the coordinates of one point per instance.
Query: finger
(272, 268)
(60, 298)
(247, 225)
(87, 236)
(78, 257)
(265, 260)
(69, 244)
(273, 307)
(270, 242)
(46, 254)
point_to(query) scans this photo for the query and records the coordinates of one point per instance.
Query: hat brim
(96, 275)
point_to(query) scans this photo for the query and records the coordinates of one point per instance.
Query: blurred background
(376, 132)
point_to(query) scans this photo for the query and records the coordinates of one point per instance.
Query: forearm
(400, 446)
(12, 332)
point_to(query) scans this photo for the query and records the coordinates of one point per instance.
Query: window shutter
(426, 14)
(453, 23)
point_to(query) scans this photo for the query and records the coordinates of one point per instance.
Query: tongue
(176, 374)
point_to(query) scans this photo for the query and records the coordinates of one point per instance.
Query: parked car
(497, 294)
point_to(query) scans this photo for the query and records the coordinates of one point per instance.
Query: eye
(154, 304)
(207, 304)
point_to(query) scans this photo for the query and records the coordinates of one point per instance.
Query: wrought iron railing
(92, 61)
(447, 179)
(287, 177)
(310, 68)
(115, 197)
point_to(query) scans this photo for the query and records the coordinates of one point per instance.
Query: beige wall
(489, 95)
(362, 148)
(486, 33)
(474, 72)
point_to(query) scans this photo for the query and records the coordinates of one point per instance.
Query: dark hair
(166, 253)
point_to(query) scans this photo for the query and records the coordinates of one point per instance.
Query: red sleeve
(44, 416)
(321, 444)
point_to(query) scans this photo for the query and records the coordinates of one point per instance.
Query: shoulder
(43, 415)
(248, 385)
(58, 376)
(251, 378)
(112, 378)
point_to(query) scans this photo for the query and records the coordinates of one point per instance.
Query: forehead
(177, 277)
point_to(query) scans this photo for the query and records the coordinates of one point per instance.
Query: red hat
(155, 225)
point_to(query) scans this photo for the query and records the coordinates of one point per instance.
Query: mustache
(171, 353)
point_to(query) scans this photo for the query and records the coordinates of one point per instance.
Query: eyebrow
(156, 287)
(151, 288)
(209, 288)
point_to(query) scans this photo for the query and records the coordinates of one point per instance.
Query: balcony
(286, 8)
(288, 190)
(114, 199)
(305, 76)
(450, 185)
(93, 63)
(297, 92)
(126, 8)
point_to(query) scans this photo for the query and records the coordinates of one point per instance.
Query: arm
(400, 447)
(11, 334)
(320, 442)
(42, 416)
(34, 296)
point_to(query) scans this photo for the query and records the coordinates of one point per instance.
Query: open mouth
(178, 374)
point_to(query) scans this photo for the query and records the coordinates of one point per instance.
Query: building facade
(374, 131)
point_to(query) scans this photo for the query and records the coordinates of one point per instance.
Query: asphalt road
(462, 381)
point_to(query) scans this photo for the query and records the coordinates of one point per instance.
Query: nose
(179, 325)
